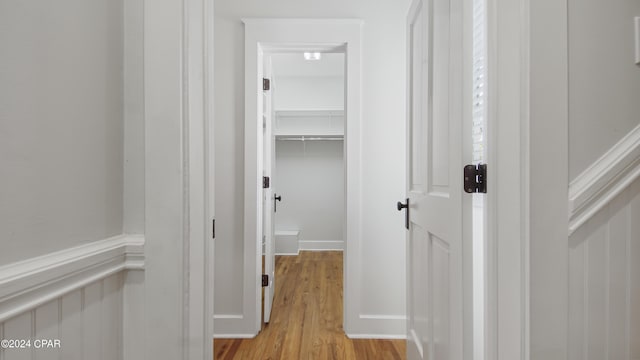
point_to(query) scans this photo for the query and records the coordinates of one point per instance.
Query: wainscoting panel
(46, 323)
(87, 323)
(73, 304)
(71, 325)
(604, 282)
(18, 328)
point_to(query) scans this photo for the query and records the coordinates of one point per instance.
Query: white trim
(340, 35)
(178, 102)
(637, 36)
(384, 317)
(308, 112)
(378, 336)
(27, 284)
(544, 330)
(287, 232)
(525, 176)
(228, 316)
(234, 336)
(320, 245)
(199, 157)
(605, 179)
(379, 326)
(209, 143)
(233, 326)
(507, 205)
(228, 321)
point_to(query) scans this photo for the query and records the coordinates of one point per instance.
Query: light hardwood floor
(306, 320)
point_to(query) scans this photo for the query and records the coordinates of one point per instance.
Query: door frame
(179, 191)
(528, 130)
(297, 35)
(507, 262)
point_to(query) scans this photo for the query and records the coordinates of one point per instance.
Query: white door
(434, 180)
(269, 192)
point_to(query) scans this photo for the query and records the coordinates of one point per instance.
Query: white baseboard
(379, 327)
(233, 336)
(389, 327)
(30, 283)
(288, 254)
(321, 245)
(377, 336)
(232, 326)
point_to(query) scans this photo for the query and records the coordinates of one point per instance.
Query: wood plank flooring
(306, 321)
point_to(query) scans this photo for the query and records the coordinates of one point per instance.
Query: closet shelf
(310, 137)
(308, 112)
(309, 123)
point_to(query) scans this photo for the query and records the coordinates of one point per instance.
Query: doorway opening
(263, 39)
(308, 124)
(303, 102)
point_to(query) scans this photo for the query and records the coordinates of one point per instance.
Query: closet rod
(307, 138)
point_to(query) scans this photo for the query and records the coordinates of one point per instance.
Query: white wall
(70, 89)
(310, 179)
(583, 94)
(383, 146)
(308, 93)
(604, 82)
(133, 216)
(61, 124)
(604, 282)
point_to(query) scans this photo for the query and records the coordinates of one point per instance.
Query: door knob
(406, 214)
(275, 204)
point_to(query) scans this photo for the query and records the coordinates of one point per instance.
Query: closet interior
(308, 123)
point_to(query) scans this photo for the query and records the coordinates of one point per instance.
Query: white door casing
(269, 192)
(436, 113)
(297, 35)
(179, 193)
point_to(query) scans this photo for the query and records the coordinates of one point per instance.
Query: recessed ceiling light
(312, 56)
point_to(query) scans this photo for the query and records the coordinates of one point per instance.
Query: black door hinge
(475, 178)
(213, 228)
(266, 84)
(265, 182)
(265, 280)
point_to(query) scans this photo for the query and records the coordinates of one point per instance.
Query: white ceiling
(331, 64)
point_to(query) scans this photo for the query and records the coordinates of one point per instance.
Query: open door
(434, 208)
(269, 196)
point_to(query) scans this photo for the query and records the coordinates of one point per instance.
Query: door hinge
(265, 182)
(265, 280)
(213, 228)
(475, 178)
(266, 84)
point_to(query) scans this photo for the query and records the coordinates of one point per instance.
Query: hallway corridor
(306, 320)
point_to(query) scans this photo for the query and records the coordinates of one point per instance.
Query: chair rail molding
(605, 179)
(27, 284)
